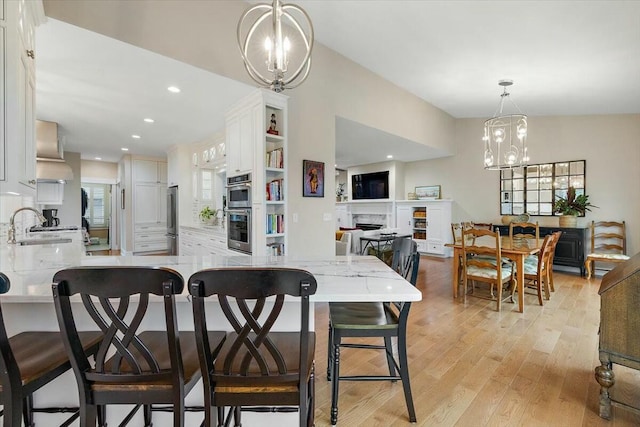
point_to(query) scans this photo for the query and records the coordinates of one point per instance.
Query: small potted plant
(571, 206)
(209, 215)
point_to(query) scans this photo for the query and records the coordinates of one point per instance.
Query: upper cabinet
(17, 93)
(150, 171)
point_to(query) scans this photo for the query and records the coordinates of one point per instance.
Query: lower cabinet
(199, 241)
(150, 237)
(570, 251)
(428, 223)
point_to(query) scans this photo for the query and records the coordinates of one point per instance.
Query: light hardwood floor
(473, 366)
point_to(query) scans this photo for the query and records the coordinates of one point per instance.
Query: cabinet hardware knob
(31, 54)
(32, 181)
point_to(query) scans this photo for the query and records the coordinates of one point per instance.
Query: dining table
(516, 250)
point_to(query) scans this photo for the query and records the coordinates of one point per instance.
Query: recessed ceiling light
(98, 158)
(135, 136)
(173, 89)
(389, 156)
(124, 149)
(148, 120)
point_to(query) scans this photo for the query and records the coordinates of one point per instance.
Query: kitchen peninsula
(28, 305)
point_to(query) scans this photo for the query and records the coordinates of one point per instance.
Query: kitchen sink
(42, 241)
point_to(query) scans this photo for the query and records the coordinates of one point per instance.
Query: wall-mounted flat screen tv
(370, 186)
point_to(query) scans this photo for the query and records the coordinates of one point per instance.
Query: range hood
(50, 166)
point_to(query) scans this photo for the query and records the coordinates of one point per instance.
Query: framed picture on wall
(428, 192)
(312, 179)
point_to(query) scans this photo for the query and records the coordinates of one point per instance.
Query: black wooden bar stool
(28, 361)
(146, 368)
(375, 320)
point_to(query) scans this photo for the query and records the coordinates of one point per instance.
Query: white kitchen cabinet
(149, 171)
(17, 95)
(241, 138)
(428, 222)
(203, 241)
(50, 193)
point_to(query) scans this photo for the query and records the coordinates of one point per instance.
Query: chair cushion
(616, 257)
(488, 273)
(361, 315)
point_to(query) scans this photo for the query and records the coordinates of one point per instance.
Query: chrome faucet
(12, 225)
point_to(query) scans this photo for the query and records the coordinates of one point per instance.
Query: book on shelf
(275, 159)
(274, 190)
(275, 223)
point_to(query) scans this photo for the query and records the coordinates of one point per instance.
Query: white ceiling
(566, 58)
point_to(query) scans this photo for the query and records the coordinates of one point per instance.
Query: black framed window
(533, 188)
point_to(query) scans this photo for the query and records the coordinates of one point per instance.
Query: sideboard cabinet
(570, 251)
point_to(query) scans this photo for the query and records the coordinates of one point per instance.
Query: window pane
(576, 168)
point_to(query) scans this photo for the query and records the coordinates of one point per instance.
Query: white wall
(396, 177)
(610, 144)
(70, 212)
(96, 171)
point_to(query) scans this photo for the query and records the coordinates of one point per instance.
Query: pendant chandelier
(505, 136)
(266, 44)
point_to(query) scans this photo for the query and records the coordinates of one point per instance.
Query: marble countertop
(340, 278)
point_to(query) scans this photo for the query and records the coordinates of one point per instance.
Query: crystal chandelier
(505, 136)
(266, 44)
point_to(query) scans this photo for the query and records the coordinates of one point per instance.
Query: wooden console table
(571, 248)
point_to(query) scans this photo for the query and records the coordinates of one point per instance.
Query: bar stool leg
(27, 411)
(335, 377)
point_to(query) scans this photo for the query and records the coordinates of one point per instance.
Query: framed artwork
(312, 179)
(428, 192)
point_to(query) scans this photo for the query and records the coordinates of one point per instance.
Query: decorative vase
(568, 221)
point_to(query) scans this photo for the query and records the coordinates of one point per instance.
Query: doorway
(97, 216)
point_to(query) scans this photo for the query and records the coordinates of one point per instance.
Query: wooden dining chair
(256, 369)
(552, 254)
(482, 225)
(375, 320)
(145, 368)
(482, 262)
(30, 360)
(608, 244)
(524, 230)
(537, 270)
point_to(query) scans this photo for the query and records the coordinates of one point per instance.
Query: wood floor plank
(472, 366)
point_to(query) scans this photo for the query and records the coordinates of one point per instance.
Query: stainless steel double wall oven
(239, 213)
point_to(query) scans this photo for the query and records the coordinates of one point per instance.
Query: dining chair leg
(539, 289)
(335, 378)
(389, 352)
(404, 375)
(588, 264)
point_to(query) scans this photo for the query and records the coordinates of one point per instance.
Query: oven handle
(239, 211)
(244, 184)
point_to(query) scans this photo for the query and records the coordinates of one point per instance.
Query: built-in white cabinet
(202, 241)
(50, 193)
(428, 222)
(258, 124)
(150, 171)
(17, 95)
(143, 204)
(241, 135)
